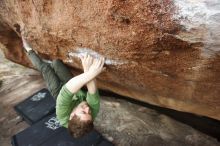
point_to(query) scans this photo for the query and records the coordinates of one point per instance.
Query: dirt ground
(122, 122)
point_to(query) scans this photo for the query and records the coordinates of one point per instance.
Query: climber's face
(82, 111)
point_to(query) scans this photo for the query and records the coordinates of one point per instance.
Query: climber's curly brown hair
(78, 128)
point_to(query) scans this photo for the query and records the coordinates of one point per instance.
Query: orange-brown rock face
(161, 52)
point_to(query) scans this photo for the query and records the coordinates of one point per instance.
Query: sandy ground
(120, 121)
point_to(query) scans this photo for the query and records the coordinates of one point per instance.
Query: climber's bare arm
(76, 83)
(91, 86)
(87, 60)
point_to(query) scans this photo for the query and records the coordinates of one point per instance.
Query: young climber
(75, 109)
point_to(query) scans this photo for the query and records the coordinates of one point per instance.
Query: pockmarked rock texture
(128, 124)
(164, 53)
